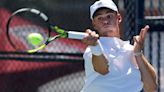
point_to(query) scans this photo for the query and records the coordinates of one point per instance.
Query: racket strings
(23, 25)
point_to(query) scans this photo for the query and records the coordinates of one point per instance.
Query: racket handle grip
(76, 35)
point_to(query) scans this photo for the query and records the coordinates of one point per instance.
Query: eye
(109, 16)
(99, 18)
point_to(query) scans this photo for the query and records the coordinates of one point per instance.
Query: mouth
(108, 25)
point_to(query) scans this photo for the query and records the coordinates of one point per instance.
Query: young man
(111, 64)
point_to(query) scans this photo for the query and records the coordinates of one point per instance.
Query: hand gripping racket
(26, 21)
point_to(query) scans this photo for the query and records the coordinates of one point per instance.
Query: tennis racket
(25, 21)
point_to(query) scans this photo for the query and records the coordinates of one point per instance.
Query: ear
(119, 18)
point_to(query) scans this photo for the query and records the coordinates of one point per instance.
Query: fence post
(139, 15)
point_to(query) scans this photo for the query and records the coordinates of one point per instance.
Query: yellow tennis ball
(35, 39)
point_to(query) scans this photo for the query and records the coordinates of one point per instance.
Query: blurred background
(46, 72)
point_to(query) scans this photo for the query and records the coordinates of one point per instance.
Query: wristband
(96, 50)
(138, 53)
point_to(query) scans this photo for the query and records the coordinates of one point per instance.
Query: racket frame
(38, 13)
(61, 33)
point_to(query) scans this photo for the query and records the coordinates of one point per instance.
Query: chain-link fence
(59, 68)
(138, 14)
(154, 43)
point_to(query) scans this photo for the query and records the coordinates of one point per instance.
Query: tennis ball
(35, 39)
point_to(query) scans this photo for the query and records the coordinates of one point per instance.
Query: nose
(105, 21)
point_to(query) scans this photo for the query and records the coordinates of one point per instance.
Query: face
(106, 22)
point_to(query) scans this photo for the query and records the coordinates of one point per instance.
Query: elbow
(155, 88)
(102, 71)
(152, 88)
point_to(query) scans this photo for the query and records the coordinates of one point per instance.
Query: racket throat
(69, 34)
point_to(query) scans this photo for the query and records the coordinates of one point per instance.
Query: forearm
(100, 64)
(99, 61)
(148, 74)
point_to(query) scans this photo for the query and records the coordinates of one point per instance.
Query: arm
(148, 74)
(99, 62)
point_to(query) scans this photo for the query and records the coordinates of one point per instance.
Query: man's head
(105, 18)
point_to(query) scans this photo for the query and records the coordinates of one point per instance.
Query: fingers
(136, 40)
(138, 44)
(144, 31)
(139, 39)
(91, 38)
(92, 33)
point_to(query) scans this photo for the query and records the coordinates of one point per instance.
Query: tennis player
(111, 64)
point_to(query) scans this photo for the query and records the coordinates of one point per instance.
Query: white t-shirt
(123, 76)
